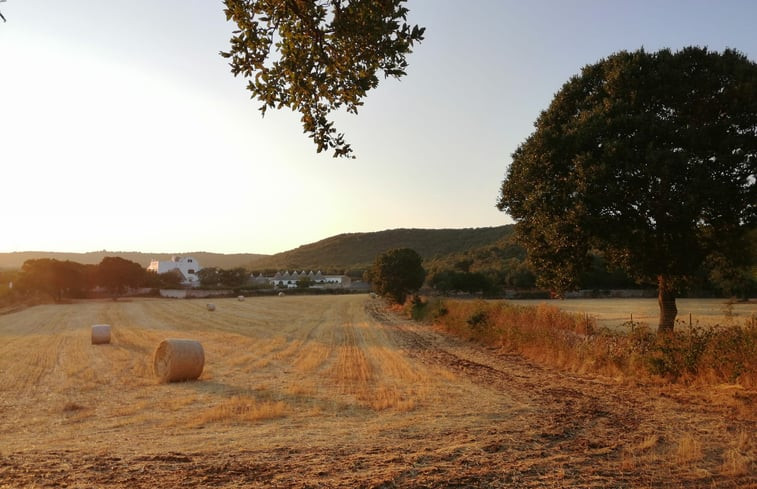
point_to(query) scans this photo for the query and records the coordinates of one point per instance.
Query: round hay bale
(211, 307)
(240, 298)
(100, 334)
(178, 359)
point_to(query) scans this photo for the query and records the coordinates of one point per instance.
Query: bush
(425, 310)
(545, 334)
(712, 354)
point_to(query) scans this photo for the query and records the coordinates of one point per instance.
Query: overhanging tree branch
(315, 57)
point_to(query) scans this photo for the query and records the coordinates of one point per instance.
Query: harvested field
(333, 391)
(612, 313)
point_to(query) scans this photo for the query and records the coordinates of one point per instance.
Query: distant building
(317, 279)
(187, 266)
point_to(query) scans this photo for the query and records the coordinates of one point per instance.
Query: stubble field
(334, 391)
(616, 314)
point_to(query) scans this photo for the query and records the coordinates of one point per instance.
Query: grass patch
(694, 355)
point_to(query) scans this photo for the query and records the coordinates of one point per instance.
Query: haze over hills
(343, 251)
(16, 259)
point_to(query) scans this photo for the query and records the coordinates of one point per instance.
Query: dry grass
(736, 463)
(688, 450)
(571, 341)
(741, 459)
(241, 409)
(616, 314)
(323, 391)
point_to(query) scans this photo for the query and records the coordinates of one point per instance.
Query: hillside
(340, 252)
(16, 259)
(359, 250)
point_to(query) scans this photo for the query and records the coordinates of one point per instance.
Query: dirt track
(369, 400)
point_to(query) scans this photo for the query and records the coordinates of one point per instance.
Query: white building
(317, 279)
(187, 266)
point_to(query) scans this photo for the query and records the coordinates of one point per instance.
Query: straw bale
(100, 334)
(178, 359)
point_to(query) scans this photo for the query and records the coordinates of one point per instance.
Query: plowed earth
(321, 392)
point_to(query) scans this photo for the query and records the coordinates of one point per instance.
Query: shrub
(544, 333)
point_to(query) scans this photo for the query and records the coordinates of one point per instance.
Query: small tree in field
(647, 157)
(397, 273)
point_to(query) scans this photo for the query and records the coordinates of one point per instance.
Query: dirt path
(337, 392)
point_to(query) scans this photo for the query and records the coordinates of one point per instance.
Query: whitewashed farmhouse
(289, 280)
(186, 265)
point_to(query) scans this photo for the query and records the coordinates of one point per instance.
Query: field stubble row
(337, 392)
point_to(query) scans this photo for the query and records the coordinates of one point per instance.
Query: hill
(359, 250)
(349, 251)
(16, 259)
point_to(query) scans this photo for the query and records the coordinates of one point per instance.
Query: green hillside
(16, 259)
(359, 250)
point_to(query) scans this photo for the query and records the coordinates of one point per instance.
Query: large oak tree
(317, 56)
(647, 157)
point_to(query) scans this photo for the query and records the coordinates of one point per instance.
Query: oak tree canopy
(649, 158)
(396, 273)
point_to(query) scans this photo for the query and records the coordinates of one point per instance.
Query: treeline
(64, 279)
(493, 269)
(211, 277)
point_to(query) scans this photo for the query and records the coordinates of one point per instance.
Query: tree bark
(666, 298)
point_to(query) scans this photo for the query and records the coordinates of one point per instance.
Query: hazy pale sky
(122, 128)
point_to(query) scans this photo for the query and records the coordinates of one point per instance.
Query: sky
(123, 129)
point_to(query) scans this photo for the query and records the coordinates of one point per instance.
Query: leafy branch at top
(316, 56)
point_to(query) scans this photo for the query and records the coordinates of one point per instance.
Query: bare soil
(322, 392)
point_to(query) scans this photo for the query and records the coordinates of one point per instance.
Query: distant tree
(304, 282)
(318, 56)
(516, 274)
(171, 279)
(53, 277)
(209, 276)
(117, 274)
(234, 277)
(454, 281)
(443, 281)
(649, 158)
(731, 279)
(397, 273)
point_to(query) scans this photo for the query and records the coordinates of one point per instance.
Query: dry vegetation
(616, 314)
(337, 392)
(694, 354)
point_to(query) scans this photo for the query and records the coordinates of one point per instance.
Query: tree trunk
(666, 298)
